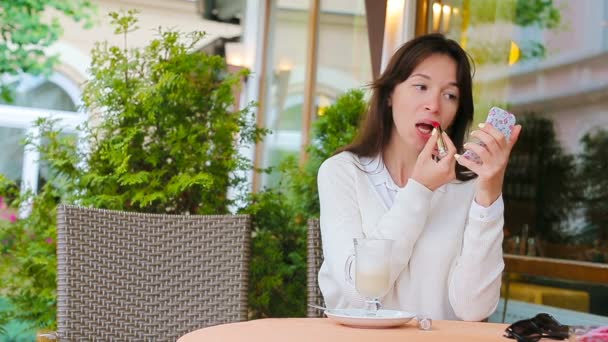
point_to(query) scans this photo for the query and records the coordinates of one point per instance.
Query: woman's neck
(399, 160)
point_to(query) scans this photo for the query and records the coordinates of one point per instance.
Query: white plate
(360, 319)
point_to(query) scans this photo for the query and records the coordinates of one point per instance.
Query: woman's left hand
(494, 157)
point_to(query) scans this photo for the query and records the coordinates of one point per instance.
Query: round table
(322, 329)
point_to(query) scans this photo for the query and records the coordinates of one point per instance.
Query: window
(546, 62)
(343, 63)
(34, 97)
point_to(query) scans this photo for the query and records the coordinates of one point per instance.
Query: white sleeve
(404, 222)
(491, 213)
(341, 222)
(475, 278)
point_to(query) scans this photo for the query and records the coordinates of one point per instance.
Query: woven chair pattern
(314, 260)
(126, 276)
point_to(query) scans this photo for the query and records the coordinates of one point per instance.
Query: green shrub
(164, 139)
(278, 269)
(27, 248)
(278, 265)
(165, 142)
(28, 29)
(542, 177)
(336, 128)
(592, 173)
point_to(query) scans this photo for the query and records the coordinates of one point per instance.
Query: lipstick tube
(441, 146)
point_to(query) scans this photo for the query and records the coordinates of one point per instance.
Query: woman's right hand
(433, 174)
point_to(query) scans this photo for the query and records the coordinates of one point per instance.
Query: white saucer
(359, 318)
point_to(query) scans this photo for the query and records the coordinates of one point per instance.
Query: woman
(445, 215)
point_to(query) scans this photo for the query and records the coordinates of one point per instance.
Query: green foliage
(540, 182)
(278, 269)
(593, 166)
(4, 319)
(278, 265)
(26, 30)
(164, 139)
(542, 14)
(29, 266)
(335, 129)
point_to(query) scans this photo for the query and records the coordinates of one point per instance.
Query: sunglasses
(540, 326)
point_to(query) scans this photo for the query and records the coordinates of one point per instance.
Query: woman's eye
(420, 86)
(451, 96)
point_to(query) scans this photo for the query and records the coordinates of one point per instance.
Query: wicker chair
(314, 259)
(148, 277)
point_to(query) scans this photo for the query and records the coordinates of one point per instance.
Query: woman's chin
(422, 139)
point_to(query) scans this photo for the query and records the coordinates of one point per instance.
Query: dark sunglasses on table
(540, 326)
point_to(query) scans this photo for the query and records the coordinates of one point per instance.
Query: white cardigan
(447, 259)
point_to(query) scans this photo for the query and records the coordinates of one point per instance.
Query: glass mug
(372, 270)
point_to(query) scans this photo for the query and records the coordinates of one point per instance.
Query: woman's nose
(432, 104)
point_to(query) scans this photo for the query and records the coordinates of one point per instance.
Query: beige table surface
(322, 329)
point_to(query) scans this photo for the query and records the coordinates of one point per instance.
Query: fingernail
(456, 155)
(481, 125)
(434, 131)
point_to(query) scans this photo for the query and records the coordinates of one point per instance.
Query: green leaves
(495, 16)
(278, 267)
(124, 23)
(593, 165)
(277, 286)
(182, 182)
(541, 13)
(165, 140)
(25, 32)
(336, 128)
(541, 177)
(29, 266)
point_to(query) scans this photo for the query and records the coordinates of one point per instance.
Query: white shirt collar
(375, 169)
(379, 175)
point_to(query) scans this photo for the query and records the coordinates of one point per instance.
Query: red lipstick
(441, 146)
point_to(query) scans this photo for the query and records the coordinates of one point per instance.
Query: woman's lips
(425, 128)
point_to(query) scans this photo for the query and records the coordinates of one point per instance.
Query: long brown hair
(375, 131)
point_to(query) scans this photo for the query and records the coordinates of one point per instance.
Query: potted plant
(163, 138)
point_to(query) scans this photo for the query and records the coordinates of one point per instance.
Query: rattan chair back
(125, 276)
(314, 260)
